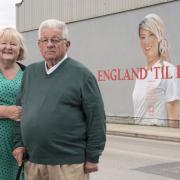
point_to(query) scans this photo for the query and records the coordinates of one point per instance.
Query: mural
(156, 91)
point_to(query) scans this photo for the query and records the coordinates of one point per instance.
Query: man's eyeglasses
(54, 41)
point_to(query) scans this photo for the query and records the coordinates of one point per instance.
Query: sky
(8, 13)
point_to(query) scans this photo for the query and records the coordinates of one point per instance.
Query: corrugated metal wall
(30, 13)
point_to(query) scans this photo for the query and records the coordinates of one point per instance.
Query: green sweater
(63, 120)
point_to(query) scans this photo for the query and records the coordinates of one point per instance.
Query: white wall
(111, 42)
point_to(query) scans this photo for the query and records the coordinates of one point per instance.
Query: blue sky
(7, 13)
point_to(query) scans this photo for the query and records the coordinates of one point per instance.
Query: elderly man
(63, 121)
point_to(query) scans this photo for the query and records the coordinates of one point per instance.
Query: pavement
(149, 132)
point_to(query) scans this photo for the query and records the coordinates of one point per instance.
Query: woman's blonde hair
(154, 24)
(9, 33)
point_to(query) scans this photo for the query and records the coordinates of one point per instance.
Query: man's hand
(14, 112)
(90, 167)
(18, 154)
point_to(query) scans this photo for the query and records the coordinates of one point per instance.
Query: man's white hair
(54, 23)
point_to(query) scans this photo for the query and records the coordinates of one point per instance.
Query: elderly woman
(12, 49)
(156, 98)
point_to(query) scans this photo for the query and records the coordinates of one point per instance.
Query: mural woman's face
(149, 44)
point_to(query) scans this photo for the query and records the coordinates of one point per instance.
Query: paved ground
(127, 158)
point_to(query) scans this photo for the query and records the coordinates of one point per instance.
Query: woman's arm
(173, 113)
(11, 112)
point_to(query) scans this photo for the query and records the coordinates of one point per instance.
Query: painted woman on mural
(156, 98)
(11, 49)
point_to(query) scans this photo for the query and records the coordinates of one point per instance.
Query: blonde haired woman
(156, 98)
(12, 49)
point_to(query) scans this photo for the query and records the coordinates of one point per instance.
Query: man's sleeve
(93, 108)
(17, 126)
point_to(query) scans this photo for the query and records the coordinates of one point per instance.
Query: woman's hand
(13, 112)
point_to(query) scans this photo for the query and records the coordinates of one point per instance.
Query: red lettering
(127, 75)
(178, 71)
(135, 73)
(139, 73)
(100, 76)
(106, 74)
(167, 73)
(156, 72)
(143, 73)
(113, 74)
(162, 72)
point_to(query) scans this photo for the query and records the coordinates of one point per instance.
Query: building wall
(111, 42)
(31, 12)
